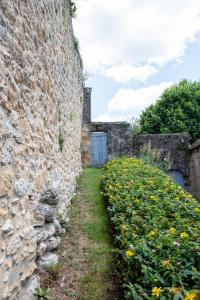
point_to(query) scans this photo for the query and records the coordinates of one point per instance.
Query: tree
(177, 110)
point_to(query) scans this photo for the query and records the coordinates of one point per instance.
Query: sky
(133, 50)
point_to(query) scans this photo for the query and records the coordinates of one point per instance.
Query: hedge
(157, 231)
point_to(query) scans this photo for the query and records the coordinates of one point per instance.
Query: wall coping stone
(195, 145)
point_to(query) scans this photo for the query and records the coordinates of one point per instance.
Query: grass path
(87, 268)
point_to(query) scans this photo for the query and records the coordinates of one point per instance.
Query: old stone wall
(119, 137)
(41, 95)
(195, 169)
(122, 142)
(175, 146)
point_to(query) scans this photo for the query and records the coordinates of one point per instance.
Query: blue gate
(99, 149)
(177, 177)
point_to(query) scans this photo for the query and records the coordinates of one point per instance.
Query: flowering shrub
(157, 231)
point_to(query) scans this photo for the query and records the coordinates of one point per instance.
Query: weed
(76, 44)
(73, 9)
(155, 157)
(72, 116)
(61, 141)
(53, 270)
(42, 293)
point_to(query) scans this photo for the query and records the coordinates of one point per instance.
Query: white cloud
(124, 72)
(128, 103)
(132, 33)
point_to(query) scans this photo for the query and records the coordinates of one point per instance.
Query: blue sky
(135, 49)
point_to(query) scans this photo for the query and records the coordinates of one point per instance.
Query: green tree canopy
(177, 110)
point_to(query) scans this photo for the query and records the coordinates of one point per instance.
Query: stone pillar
(87, 105)
(86, 127)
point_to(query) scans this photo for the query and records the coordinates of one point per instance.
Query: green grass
(99, 251)
(97, 228)
(86, 248)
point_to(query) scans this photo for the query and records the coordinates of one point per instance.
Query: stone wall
(175, 146)
(119, 137)
(195, 169)
(41, 97)
(121, 141)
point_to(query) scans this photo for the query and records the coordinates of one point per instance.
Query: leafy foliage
(73, 9)
(135, 126)
(157, 231)
(177, 110)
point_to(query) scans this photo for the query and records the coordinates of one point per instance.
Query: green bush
(177, 110)
(157, 231)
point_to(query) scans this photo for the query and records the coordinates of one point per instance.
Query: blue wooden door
(99, 148)
(177, 177)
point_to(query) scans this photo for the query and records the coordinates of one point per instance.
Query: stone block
(43, 233)
(28, 289)
(7, 228)
(41, 249)
(47, 212)
(13, 245)
(59, 230)
(5, 155)
(5, 182)
(47, 260)
(21, 187)
(38, 219)
(49, 197)
(28, 234)
(52, 243)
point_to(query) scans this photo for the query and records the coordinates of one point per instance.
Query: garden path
(87, 269)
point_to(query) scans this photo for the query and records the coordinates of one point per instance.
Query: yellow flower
(153, 198)
(156, 291)
(172, 230)
(196, 210)
(152, 233)
(166, 263)
(130, 253)
(184, 235)
(191, 296)
(137, 201)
